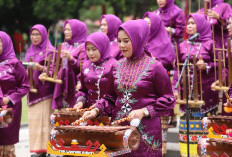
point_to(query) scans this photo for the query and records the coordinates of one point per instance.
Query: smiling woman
(94, 76)
(134, 89)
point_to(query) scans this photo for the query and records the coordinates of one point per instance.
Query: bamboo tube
(229, 62)
(45, 62)
(195, 80)
(178, 66)
(190, 7)
(205, 8)
(53, 60)
(49, 64)
(223, 53)
(32, 84)
(214, 55)
(199, 4)
(220, 69)
(184, 85)
(57, 62)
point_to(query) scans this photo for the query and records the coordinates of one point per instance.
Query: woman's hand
(176, 95)
(214, 85)
(5, 101)
(37, 66)
(66, 54)
(201, 64)
(137, 114)
(42, 76)
(79, 105)
(168, 29)
(213, 14)
(90, 114)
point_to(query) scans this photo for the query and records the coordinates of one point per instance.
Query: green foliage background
(22, 14)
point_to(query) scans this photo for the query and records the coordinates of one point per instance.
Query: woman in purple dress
(217, 15)
(109, 25)
(39, 103)
(14, 84)
(139, 88)
(173, 18)
(159, 44)
(95, 72)
(203, 49)
(73, 51)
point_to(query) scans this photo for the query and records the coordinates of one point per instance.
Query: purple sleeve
(82, 94)
(179, 25)
(76, 60)
(107, 102)
(165, 100)
(208, 47)
(22, 81)
(225, 12)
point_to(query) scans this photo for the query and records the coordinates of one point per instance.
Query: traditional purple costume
(70, 69)
(94, 76)
(137, 82)
(223, 9)
(203, 47)
(39, 109)
(159, 44)
(14, 84)
(173, 17)
(113, 23)
(38, 54)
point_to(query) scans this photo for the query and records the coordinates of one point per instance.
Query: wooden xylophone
(68, 116)
(216, 126)
(215, 147)
(6, 117)
(113, 137)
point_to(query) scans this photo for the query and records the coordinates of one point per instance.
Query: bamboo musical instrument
(49, 63)
(54, 78)
(220, 84)
(195, 103)
(32, 83)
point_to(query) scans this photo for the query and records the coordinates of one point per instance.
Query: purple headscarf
(159, 43)
(168, 6)
(113, 23)
(7, 47)
(138, 31)
(203, 27)
(215, 2)
(79, 31)
(102, 43)
(39, 52)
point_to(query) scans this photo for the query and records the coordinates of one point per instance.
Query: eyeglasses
(36, 35)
